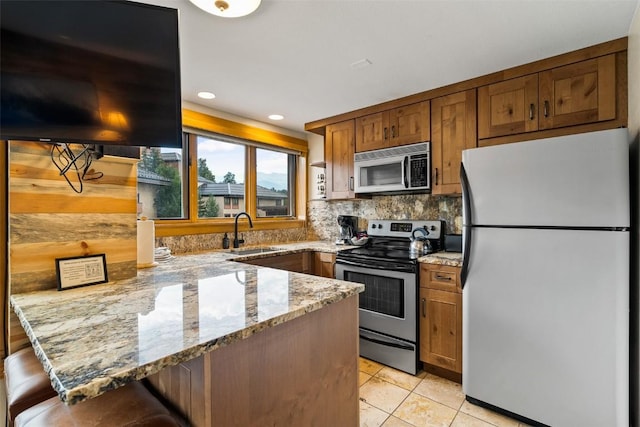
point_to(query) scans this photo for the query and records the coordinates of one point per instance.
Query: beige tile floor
(392, 398)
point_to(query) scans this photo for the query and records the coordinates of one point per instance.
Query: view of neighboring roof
(148, 177)
(210, 188)
(170, 157)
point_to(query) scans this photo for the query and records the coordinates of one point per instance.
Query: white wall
(634, 131)
(316, 154)
(227, 116)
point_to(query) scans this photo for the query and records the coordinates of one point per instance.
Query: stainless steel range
(389, 303)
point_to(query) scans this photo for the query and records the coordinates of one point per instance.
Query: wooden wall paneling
(49, 220)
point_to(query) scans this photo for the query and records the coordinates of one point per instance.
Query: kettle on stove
(420, 245)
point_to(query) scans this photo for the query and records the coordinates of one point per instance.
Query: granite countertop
(453, 259)
(97, 338)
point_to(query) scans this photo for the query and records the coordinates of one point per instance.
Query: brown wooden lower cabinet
(324, 263)
(301, 262)
(303, 372)
(441, 320)
(316, 263)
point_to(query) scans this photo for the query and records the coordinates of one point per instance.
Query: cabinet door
(339, 150)
(410, 124)
(372, 131)
(579, 93)
(508, 107)
(453, 128)
(324, 263)
(441, 329)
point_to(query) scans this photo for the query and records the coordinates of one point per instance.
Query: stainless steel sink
(250, 251)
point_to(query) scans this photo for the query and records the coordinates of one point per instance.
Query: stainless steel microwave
(391, 170)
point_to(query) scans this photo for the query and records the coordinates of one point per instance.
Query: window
(201, 187)
(161, 192)
(274, 173)
(221, 177)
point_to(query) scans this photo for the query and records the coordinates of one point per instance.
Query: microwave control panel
(419, 175)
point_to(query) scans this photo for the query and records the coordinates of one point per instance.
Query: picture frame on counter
(73, 272)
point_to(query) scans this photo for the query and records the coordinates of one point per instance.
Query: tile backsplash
(322, 224)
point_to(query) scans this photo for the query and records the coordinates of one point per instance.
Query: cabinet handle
(546, 108)
(351, 183)
(531, 108)
(385, 133)
(436, 176)
(393, 131)
(423, 304)
(439, 277)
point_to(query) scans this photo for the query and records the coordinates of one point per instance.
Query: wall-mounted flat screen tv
(93, 72)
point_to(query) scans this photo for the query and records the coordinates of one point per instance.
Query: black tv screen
(92, 71)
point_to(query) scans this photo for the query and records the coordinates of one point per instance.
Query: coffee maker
(348, 227)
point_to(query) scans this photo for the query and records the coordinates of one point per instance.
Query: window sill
(181, 228)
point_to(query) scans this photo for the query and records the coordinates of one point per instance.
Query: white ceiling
(293, 57)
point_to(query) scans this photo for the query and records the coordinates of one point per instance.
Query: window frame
(195, 122)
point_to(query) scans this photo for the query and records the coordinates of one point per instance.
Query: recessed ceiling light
(206, 95)
(276, 117)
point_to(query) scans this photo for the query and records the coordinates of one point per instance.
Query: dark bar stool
(26, 382)
(129, 405)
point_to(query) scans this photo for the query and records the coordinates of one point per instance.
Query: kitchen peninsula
(226, 342)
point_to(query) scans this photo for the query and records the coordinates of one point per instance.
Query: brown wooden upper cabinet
(339, 146)
(400, 126)
(453, 123)
(574, 94)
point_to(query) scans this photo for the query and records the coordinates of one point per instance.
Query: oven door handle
(387, 343)
(384, 266)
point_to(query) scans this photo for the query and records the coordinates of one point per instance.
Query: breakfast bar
(226, 343)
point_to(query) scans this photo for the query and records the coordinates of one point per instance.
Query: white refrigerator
(546, 279)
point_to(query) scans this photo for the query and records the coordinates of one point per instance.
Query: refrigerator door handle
(467, 224)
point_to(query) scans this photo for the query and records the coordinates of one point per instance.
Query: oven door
(388, 303)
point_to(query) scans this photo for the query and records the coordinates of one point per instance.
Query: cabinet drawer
(441, 277)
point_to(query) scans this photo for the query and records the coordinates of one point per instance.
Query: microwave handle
(405, 171)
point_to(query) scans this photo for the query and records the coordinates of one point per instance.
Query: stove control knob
(379, 225)
(432, 228)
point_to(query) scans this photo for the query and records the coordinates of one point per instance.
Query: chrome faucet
(236, 242)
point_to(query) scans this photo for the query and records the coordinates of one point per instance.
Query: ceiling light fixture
(276, 116)
(206, 95)
(227, 8)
